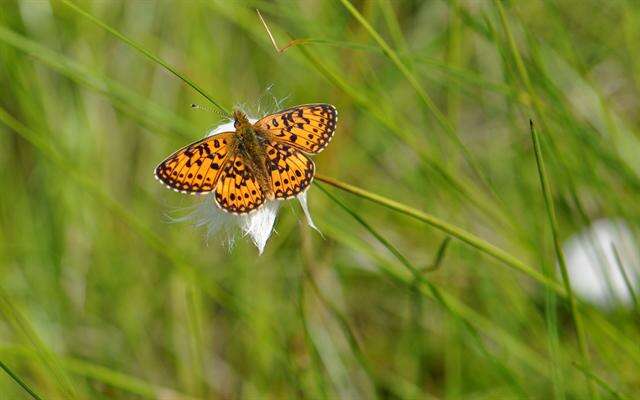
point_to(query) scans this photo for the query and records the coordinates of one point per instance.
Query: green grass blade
(625, 276)
(452, 230)
(19, 381)
(551, 214)
(602, 383)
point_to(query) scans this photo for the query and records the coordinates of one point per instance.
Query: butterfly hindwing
(291, 170)
(308, 127)
(196, 168)
(238, 190)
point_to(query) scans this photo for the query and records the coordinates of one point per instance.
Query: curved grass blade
(452, 230)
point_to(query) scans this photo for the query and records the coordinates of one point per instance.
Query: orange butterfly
(259, 161)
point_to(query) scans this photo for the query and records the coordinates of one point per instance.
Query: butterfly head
(240, 119)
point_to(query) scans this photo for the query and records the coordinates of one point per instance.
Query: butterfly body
(250, 144)
(258, 161)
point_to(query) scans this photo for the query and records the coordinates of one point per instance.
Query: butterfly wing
(291, 171)
(308, 127)
(196, 167)
(238, 190)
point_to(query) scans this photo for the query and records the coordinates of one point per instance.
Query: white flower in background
(258, 225)
(595, 274)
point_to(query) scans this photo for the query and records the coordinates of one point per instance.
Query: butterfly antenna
(213, 110)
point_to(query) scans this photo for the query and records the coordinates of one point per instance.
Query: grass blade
(601, 382)
(625, 276)
(551, 214)
(19, 381)
(450, 229)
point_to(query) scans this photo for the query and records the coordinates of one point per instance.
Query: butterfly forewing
(308, 128)
(238, 190)
(196, 168)
(291, 171)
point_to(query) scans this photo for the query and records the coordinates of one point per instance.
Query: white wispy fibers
(302, 198)
(596, 275)
(257, 225)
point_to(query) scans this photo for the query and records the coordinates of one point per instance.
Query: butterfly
(259, 161)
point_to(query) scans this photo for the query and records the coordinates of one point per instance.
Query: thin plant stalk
(625, 276)
(602, 383)
(551, 213)
(19, 381)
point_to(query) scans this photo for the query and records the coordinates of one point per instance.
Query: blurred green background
(102, 296)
